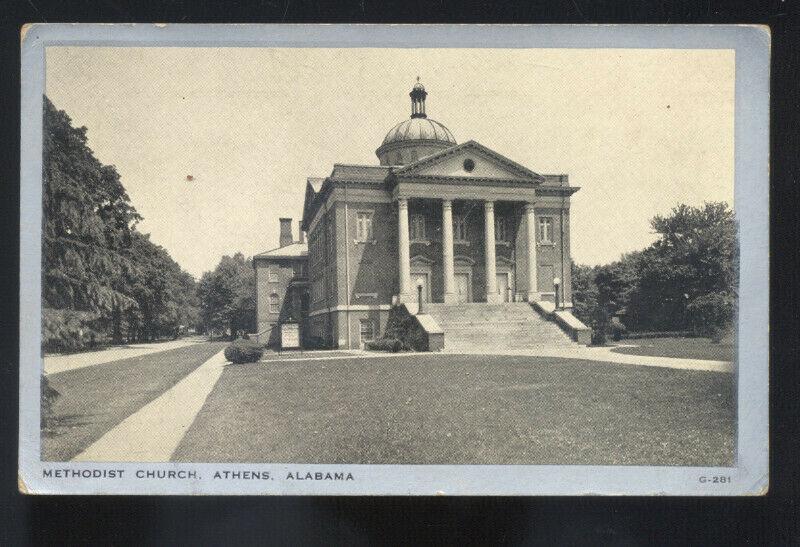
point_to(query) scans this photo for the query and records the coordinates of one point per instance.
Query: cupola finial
(418, 95)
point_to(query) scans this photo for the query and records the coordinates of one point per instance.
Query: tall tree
(227, 295)
(88, 219)
(695, 256)
(100, 275)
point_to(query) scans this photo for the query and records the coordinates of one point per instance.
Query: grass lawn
(94, 399)
(684, 348)
(438, 409)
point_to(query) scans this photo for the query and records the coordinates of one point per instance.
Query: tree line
(684, 281)
(104, 281)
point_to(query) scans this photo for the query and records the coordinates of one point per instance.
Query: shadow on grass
(55, 426)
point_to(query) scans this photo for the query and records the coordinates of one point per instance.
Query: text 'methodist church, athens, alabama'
(462, 221)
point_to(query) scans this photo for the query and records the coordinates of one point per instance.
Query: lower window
(367, 330)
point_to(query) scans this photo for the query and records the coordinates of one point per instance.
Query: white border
(749, 476)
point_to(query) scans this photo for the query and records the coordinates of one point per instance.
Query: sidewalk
(604, 354)
(55, 363)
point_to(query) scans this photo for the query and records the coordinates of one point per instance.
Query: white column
(492, 295)
(533, 283)
(447, 252)
(403, 251)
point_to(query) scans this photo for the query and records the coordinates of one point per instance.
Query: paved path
(152, 434)
(59, 363)
(604, 354)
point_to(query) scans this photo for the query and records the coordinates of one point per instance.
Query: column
(403, 251)
(492, 296)
(533, 270)
(447, 252)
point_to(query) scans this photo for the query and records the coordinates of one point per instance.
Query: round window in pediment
(469, 165)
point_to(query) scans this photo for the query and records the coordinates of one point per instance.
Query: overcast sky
(638, 130)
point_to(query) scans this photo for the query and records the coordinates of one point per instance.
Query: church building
(453, 224)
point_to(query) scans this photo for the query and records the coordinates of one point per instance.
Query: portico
(457, 268)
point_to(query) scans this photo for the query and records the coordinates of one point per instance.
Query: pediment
(469, 160)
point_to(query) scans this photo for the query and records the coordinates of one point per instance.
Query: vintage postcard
(417, 260)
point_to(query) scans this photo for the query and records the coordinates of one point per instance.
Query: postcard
(394, 260)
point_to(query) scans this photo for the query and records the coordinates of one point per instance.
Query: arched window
(274, 303)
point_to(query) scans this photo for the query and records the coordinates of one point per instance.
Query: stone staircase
(482, 326)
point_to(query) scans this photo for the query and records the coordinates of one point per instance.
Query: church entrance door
(502, 286)
(462, 288)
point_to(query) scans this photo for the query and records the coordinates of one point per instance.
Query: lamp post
(420, 284)
(556, 283)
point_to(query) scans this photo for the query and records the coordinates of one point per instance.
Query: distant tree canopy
(227, 296)
(101, 277)
(686, 280)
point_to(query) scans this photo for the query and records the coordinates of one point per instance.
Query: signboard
(290, 335)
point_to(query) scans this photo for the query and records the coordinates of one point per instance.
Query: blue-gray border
(749, 476)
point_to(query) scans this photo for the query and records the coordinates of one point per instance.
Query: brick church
(465, 229)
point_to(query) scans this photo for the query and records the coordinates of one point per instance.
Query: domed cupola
(416, 137)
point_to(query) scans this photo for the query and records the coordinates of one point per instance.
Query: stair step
(509, 325)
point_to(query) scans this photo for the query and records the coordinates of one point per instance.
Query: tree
(88, 220)
(694, 257)
(227, 296)
(100, 275)
(164, 294)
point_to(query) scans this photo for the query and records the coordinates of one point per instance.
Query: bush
(617, 330)
(598, 337)
(68, 330)
(387, 344)
(711, 314)
(244, 351)
(48, 396)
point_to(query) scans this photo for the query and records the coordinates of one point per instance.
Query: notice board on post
(290, 336)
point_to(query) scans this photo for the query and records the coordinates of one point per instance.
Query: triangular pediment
(469, 160)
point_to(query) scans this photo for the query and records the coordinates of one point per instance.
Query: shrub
(67, 330)
(48, 396)
(711, 314)
(617, 330)
(387, 344)
(598, 337)
(244, 351)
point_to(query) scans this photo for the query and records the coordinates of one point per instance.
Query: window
(413, 156)
(545, 230)
(500, 229)
(459, 228)
(363, 226)
(367, 330)
(399, 159)
(273, 274)
(299, 269)
(418, 228)
(274, 303)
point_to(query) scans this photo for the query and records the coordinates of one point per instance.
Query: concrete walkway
(604, 354)
(153, 433)
(54, 363)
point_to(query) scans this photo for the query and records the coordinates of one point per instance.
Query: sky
(215, 144)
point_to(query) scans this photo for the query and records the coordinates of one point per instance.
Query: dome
(416, 137)
(419, 129)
